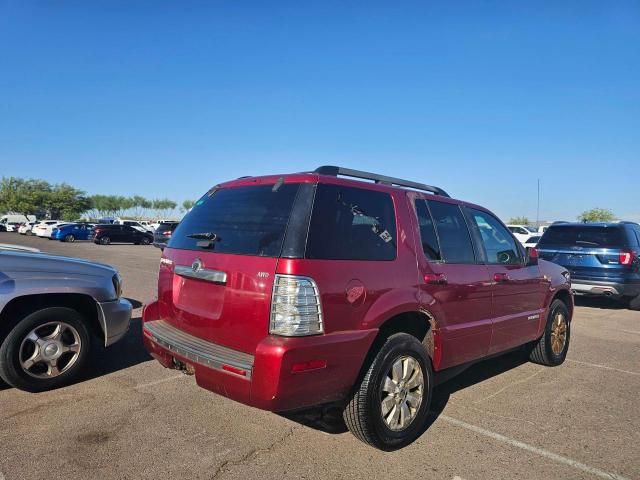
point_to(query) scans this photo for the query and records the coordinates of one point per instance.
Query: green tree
(163, 207)
(187, 205)
(26, 196)
(597, 215)
(519, 221)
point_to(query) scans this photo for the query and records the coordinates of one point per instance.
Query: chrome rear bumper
(196, 349)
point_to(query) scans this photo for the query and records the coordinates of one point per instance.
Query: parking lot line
(530, 448)
(597, 365)
(163, 380)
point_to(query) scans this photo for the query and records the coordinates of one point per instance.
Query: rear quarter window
(245, 220)
(350, 223)
(584, 236)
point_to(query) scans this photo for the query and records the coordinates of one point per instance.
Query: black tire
(363, 413)
(543, 350)
(69, 238)
(145, 241)
(105, 240)
(11, 370)
(634, 303)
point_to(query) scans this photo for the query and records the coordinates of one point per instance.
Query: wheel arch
(419, 323)
(23, 305)
(566, 297)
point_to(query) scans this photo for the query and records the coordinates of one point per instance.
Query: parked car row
(103, 234)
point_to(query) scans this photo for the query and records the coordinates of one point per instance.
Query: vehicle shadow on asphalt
(599, 302)
(328, 418)
(125, 353)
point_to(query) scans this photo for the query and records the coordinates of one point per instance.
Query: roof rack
(348, 172)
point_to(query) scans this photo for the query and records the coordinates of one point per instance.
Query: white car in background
(142, 225)
(532, 242)
(25, 228)
(44, 228)
(522, 232)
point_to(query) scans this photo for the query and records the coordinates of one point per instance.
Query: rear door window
(584, 236)
(455, 240)
(243, 220)
(351, 224)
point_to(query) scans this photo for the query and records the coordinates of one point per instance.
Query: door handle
(436, 279)
(501, 277)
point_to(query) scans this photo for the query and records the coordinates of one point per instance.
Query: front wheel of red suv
(552, 347)
(389, 407)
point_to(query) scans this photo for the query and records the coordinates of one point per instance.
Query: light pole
(538, 207)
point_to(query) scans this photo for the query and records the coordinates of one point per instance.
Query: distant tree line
(43, 199)
(592, 215)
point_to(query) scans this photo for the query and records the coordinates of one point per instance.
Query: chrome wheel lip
(402, 393)
(48, 349)
(559, 333)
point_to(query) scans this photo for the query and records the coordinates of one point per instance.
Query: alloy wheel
(558, 333)
(50, 350)
(402, 393)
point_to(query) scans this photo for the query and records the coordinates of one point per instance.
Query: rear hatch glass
(245, 221)
(235, 235)
(587, 251)
(592, 236)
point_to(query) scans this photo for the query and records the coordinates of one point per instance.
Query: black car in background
(602, 258)
(163, 233)
(111, 233)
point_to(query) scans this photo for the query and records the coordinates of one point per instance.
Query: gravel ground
(502, 418)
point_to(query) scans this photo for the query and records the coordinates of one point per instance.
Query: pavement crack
(251, 455)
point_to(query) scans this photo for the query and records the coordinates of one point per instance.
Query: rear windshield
(586, 236)
(243, 220)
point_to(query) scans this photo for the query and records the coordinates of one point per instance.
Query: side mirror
(532, 256)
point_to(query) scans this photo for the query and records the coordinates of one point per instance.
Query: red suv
(295, 290)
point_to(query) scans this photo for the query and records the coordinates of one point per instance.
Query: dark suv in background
(602, 258)
(163, 233)
(114, 233)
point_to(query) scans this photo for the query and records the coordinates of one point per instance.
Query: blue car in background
(70, 232)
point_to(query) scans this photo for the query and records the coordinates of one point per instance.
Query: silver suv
(50, 309)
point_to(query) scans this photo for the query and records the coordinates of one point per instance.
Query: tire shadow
(604, 303)
(328, 418)
(125, 353)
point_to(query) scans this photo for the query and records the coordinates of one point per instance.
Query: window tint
(428, 236)
(583, 235)
(455, 242)
(499, 244)
(245, 220)
(351, 224)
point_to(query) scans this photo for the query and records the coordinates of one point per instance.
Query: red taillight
(626, 258)
(97, 230)
(533, 252)
(166, 234)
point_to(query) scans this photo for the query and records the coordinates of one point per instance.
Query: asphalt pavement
(501, 419)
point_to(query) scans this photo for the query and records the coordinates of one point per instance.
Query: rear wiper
(588, 243)
(205, 236)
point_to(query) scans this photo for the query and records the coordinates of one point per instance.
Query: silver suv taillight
(296, 309)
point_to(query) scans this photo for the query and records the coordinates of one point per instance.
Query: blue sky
(481, 98)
